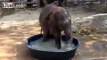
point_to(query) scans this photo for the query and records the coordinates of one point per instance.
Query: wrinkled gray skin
(54, 19)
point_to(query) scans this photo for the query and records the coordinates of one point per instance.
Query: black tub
(45, 55)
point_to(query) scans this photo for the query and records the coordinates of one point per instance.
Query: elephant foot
(45, 39)
(58, 44)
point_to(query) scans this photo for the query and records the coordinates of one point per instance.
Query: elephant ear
(58, 16)
(48, 16)
(55, 15)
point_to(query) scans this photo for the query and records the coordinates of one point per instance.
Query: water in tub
(50, 46)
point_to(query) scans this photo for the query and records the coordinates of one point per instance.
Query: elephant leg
(68, 35)
(46, 35)
(57, 35)
(46, 31)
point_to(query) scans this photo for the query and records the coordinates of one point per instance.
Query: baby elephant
(54, 19)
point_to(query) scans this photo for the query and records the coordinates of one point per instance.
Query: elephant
(53, 20)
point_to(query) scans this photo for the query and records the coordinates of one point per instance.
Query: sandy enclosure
(17, 27)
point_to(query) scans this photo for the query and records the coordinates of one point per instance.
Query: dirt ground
(16, 28)
(13, 47)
